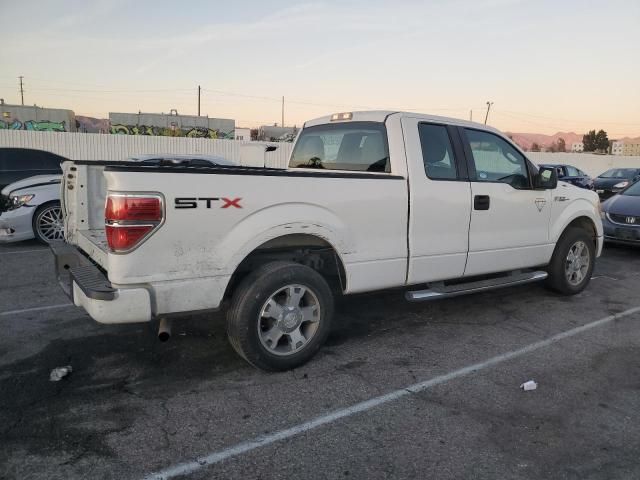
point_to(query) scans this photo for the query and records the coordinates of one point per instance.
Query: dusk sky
(546, 65)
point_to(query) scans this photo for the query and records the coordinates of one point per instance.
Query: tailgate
(82, 198)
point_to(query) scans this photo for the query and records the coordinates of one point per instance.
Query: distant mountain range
(525, 140)
(92, 125)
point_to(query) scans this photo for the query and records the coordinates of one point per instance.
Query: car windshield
(618, 173)
(633, 190)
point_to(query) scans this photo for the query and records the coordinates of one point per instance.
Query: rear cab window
(348, 146)
(437, 152)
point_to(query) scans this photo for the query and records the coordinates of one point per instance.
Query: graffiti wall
(33, 125)
(189, 132)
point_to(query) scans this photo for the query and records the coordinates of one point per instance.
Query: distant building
(39, 119)
(577, 147)
(242, 134)
(630, 148)
(277, 134)
(617, 147)
(171, 125)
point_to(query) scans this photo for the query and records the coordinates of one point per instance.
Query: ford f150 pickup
(370, 201)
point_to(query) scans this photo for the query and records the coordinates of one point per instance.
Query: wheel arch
(307, 249)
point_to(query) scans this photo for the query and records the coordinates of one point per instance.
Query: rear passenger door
(440, 201)
(509, 219)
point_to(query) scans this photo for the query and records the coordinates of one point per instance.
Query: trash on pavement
(530, 385)
(59, 373)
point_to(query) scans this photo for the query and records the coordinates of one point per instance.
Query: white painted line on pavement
(35, 309)
(263, 440)
(13, 252)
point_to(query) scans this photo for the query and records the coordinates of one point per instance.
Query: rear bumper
(90, 289)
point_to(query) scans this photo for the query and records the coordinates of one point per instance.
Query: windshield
(618, 173)
(633, 190)
(353, 146)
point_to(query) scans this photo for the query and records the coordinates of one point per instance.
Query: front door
(509, 226)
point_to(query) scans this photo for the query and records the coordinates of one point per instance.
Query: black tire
(44, 209)
(244, 314)
(558, 277)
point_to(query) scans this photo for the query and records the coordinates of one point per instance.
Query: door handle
(481, 202)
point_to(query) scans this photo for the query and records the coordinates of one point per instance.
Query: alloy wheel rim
(50, 224)
(289, 319)
(577, 263)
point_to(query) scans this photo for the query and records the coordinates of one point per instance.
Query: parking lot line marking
(264, 440)
(35, 309)
(13, 252)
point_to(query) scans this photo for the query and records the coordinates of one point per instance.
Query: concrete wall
(590, 163)
(19, 117)
(94, 146)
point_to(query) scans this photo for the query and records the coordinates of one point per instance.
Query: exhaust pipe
(164, 330)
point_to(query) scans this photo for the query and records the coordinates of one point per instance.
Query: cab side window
(437, 152)
(496, 160)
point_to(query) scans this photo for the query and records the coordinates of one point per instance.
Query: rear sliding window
(352, 146)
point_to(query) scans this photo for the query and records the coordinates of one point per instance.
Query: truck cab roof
(382, 115)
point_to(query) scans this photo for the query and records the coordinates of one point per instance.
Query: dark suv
(19, 163)
(573, 175)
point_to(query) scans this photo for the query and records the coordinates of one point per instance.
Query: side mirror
(546, 179)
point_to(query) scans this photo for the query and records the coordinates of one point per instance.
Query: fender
(258, 228)
(577, 208)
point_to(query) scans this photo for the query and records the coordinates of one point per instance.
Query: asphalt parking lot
(441, 381)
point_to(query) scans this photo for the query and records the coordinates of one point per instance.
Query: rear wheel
(280, 315)
(47, 223)
(572, 262)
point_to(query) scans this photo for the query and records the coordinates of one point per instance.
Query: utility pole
(199, 89)
(282, 124)
(471, 115)
(486, 117)
(21, 89)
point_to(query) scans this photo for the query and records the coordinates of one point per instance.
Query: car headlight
(621, 184)
(16, 201)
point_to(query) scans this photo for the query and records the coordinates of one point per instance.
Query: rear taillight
(131, 218)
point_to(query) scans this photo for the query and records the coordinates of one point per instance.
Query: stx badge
(192, 202)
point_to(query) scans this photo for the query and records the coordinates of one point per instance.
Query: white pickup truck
(370, 201)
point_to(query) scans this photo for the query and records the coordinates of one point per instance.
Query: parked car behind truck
(371, 200)
(572, 175)
(30, 208)
(615, 180)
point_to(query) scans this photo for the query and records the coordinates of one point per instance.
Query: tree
(602, 141)
(589, 141)
(596, 142)
(561, 145)
(535, 147)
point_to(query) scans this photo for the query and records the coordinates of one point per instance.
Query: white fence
(590, 163)
(95, 146)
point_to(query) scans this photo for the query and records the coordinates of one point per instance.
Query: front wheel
(280, 315)
(572, 262)
(47, 223)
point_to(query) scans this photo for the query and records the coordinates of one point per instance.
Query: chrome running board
(439, 290)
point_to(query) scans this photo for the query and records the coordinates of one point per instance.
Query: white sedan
(30, 208)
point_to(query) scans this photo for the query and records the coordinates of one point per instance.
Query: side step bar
(439, 290)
